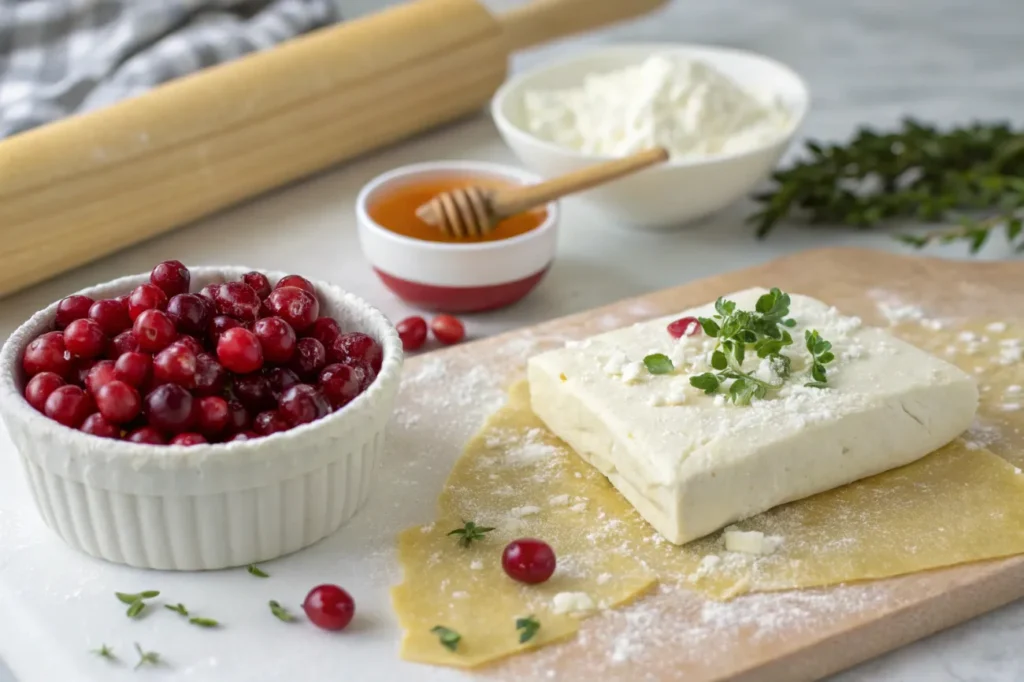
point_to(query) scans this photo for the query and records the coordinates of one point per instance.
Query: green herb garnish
(821, 351)
(470, 532)
(449, 638)
(150, 657)
(177, 608)
(255, 570)
(527, 628)
(970, 175)
(136, 602)
(204, 622)
(105, 652)
(658, 363)
(280, 612)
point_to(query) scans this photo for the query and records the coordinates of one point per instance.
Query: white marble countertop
(867, 61)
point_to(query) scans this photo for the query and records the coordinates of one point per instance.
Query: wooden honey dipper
(475, 211)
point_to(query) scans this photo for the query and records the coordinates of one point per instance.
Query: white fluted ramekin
(207, 506)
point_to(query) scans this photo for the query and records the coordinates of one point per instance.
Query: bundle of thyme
(970, 176)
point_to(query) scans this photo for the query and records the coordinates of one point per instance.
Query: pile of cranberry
(236, 361)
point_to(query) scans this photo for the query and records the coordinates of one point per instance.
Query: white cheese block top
(692, 463)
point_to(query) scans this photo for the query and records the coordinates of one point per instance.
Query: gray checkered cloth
(64, 57)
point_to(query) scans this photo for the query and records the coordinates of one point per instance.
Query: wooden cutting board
(804, 635)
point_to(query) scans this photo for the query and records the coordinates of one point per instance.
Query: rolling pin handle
(540, 21)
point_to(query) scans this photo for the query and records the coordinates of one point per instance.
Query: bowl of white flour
(725, 116)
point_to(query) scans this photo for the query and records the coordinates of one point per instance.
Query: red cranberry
(447, 329)
(360, 347)
(190, 343)
(169, 408)
(265, 310)
(176, 364)
(277, 339)
(133, 368)
(413, 332)
(363, 372)
(329, 607)
(190, 313)
(325, 330)
(297, 307)
(528, 560)
(211, 415)
(125, 342)
(340, 384)
(47, 353)
(147, 435)
(269, 422)
(254, 392)
(72, 308)
(259, 283)
(101, 374)
(280, 380)
(298, 282)
(172, 277)
(40, 387)
(207, 293)
(154, 330)
(244, 435)
(96, 425)
(303, 404)
(210, 376)
(238, 417)
(239, 351)
(85, 338)
(188, 439)
(69, 405)
(80, 368)
(118, 402)
(310, 358)
(236, 299)
(684, 326)
(219, 325)
(146, 297)
(111, 315)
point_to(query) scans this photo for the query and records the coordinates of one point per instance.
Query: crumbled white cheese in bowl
(725, 116)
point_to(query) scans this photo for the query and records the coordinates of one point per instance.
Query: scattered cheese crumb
(719, 400)
(558, 500)
(1009, 407)
(605, 577)
(572, 602)
(520, 512)
(460, 595)
(427, 528)
(707, 565)
(933, 325)
(750, 542)
(579, 507)
(1013, 389)
(997, 327)
(632, 372)
(967, 336)
(616, 363)
(476, 565)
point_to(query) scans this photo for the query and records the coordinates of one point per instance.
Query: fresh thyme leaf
(280, 612)
(150, 657)
(816, 384)
(449, 638)
(718, 360)
(709, 326)
(470, 532)
(970, 176)
(177, 608)
(820, 351)
(658, 363)
(136, 608)
(128, 598)
(255, 570)
(204, 622)
(706, 382)
(105, 652)
(527, 628)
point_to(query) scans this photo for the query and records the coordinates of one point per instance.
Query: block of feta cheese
(692, 463)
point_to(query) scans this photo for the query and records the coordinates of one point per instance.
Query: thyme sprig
(469, 533)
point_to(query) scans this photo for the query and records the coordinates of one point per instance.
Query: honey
(395, 209)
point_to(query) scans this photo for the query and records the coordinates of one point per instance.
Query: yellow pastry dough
(957, 505)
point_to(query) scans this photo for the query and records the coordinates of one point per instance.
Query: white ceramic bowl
(675, 193)
(207, 506)
(455, 277)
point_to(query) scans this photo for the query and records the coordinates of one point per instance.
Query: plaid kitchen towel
(63, 57)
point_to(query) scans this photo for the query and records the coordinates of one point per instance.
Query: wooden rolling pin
(84, 187)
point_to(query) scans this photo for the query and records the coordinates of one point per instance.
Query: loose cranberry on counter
(154, 330)
(220, 324)
(191, 313)
(269, 422)
(277, 339)
(254, 392)
(176, 364)
(310, 358)
(188, 439)
(85, 338)
(172, 277)
(111, 315)
(303, 404)
(96, 425)
(147, 435)
(146, 297)
(236, 299)
(298, 282)
(329, 607)
(238, 417)
(125, 342)
(280, 380)
(684, 326)
(259, 283)
(100, 374)
(72, 308)
(359, 347)
(297, 307)
(47, 354)
(340, 384)
(118, 402)
(325, 330)
(68, 405)
(528, 561)
(133, 368)
(238, 350)
(447, 329)
(40, 387)
(169, 408)
(212, 415)
(413, 332)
